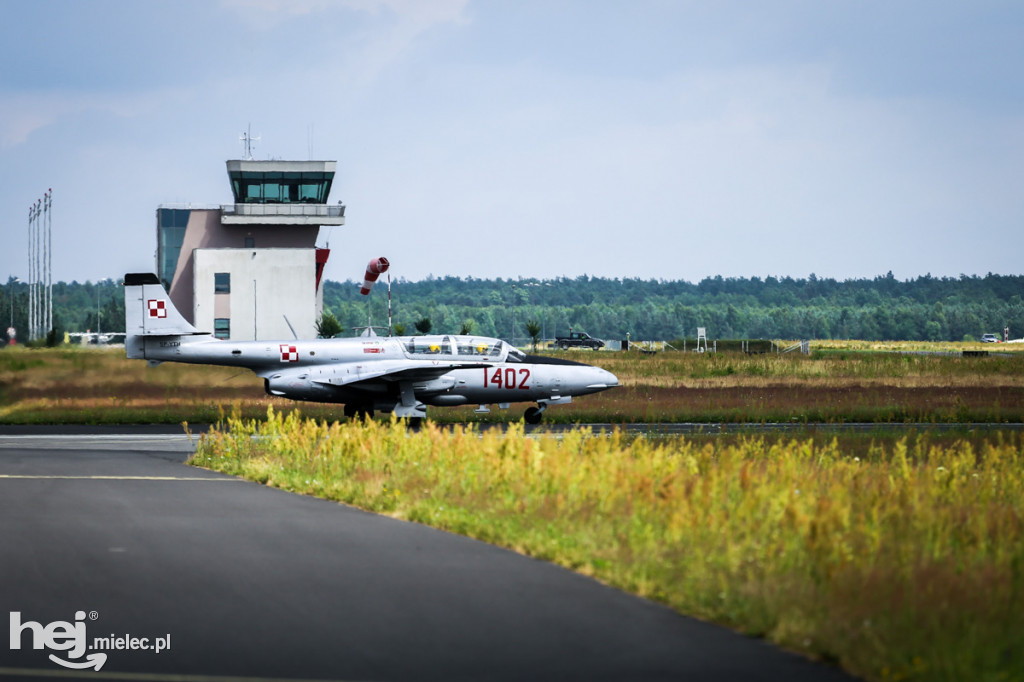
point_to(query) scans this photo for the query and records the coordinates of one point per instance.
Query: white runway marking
(123, 478)
(93, 441)
(97, 436)
(138, 677)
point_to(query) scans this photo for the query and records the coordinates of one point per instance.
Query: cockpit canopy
(450, 346)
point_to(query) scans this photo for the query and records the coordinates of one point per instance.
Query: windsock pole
(374, 269)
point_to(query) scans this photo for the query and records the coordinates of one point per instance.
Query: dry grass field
(101, 386)
(833, 385)
(823, 387)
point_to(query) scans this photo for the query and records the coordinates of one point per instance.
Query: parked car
(989, 338)
(578, 340)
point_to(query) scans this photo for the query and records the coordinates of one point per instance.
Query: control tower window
(271, 184)
(271, 187)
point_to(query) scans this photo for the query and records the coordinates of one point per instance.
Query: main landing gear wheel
(533, 415)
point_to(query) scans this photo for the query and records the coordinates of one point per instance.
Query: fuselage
(368, 369)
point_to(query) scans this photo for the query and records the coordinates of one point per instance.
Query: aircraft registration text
(506, 378)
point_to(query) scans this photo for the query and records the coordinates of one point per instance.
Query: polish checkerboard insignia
(157, 308)
(289, 353)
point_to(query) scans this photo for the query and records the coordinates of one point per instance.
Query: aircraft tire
(532, 415)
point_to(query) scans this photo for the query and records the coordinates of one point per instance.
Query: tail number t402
(506, 378)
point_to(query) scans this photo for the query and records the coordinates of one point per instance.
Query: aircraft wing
(389, 370)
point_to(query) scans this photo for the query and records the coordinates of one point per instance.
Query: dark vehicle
(578, 340)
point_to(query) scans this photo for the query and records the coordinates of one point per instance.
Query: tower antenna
(247, 139)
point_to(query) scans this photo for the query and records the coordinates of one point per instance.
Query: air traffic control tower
(251, 270)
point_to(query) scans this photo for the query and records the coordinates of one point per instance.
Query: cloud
(20, 116)
(411, 16)
(410, 20)
(344, 45)
(24, 113)
(492, 138)
(718, 170)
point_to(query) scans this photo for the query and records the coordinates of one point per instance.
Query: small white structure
(702, 340)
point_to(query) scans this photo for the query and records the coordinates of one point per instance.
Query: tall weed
(901, 564)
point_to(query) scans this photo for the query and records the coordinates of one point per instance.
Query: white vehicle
(400, 374)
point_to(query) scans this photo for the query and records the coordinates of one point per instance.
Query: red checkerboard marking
(157, 308)
(289, 353)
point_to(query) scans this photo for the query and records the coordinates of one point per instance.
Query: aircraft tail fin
(148, 311)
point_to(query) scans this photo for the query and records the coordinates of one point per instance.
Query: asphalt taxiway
(249, 582)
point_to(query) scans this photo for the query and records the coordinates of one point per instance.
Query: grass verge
(903, 561)
(70, 385)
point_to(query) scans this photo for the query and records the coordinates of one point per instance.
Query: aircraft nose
(602, 379)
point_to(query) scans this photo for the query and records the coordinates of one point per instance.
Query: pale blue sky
(651, 138)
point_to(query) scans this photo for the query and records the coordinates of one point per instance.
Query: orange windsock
(377, 267)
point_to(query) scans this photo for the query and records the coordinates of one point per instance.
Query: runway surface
(248, 582)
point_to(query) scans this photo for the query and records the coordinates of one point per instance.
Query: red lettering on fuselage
(507, 378)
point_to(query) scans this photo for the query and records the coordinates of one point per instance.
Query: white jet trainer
(400, 374)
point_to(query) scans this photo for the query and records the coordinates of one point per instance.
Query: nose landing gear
(533, 414)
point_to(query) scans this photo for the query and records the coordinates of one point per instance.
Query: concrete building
(251, 269)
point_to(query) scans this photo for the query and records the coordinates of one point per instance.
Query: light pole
(10, 287)
(11, 333)
(513, 315)
(98, 313)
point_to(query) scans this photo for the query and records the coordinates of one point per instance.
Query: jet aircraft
(399, 374)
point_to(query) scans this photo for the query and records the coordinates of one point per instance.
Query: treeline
(77, 307)
(884, 308)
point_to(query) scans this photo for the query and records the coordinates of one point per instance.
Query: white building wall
(266, 286)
